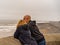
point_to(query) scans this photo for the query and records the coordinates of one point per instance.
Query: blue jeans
(42, 42)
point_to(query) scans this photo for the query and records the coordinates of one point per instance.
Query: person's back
(23, 34)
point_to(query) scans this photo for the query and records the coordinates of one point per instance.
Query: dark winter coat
(35, 31)
(23, 34)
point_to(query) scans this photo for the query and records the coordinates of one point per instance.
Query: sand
(50, 32)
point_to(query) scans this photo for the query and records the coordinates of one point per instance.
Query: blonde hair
(21, 22)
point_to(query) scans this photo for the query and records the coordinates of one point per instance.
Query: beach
(50, 32)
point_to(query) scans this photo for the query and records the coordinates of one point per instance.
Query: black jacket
(35, 31)
(24, 35)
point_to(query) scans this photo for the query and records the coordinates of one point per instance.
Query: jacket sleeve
(16, 34)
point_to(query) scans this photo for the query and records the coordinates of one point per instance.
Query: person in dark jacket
(23, 34)
(35, 31)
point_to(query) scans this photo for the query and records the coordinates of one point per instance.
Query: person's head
(27, 18)
(21, 22)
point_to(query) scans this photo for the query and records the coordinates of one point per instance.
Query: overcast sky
(46, 10)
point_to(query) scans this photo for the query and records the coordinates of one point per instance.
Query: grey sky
(46, 10)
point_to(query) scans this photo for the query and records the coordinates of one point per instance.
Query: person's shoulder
(32, 22)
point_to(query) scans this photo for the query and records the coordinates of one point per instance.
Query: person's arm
(16, 34)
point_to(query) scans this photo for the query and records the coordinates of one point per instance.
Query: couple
(28, 33)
